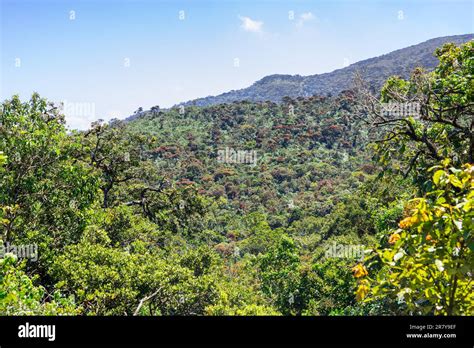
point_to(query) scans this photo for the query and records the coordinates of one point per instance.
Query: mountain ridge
(375, 70)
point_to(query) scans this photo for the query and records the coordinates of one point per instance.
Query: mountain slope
(375, 70)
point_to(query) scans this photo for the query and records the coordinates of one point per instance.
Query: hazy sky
(105, 58)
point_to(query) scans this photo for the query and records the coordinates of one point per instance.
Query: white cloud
(305, 17)
(248, 24)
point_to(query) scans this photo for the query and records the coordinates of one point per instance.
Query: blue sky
(112, 56)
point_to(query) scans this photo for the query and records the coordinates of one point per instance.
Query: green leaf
(437, 176)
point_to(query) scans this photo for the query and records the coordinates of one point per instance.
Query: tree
(118, 154)
(138, 281)
(19, 295)
(426, 265)
(427, 118)
(279, 275)
(43, 189)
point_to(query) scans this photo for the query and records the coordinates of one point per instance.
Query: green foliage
(3, 159)
(43, 189)
(238, 298)
(427, 264)
(442, 127)
(111, 281)
(334, 287)
(144, 218)
(19, 295)
(280, 277)
(118, 155)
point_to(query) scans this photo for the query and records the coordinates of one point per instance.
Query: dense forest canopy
(336, 205)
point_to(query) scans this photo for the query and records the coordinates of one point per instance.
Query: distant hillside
(375, 70)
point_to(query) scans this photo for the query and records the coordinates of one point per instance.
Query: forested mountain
(374, 70)
(319, 205)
